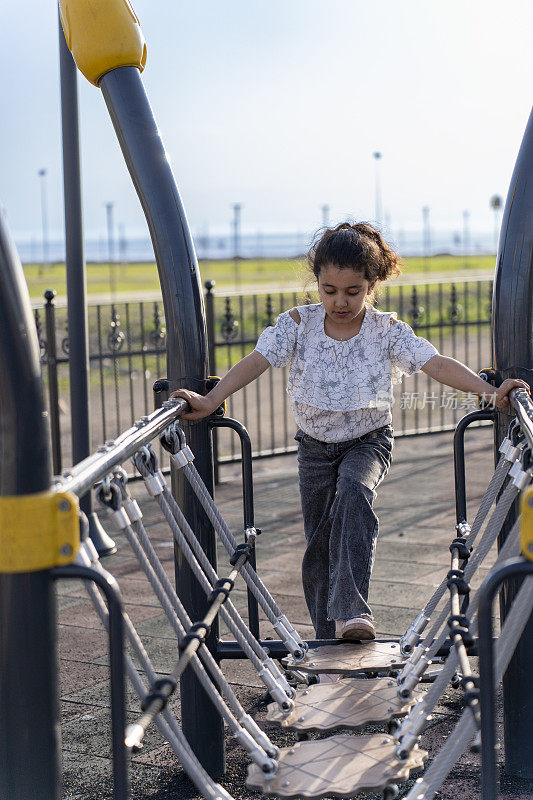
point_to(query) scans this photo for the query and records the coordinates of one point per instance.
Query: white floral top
(340, 390)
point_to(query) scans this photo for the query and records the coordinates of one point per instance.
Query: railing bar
(101, 370)
(130, 363)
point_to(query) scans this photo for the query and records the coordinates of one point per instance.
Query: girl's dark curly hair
(357, 246)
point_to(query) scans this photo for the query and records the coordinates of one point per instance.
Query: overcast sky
(279, 105)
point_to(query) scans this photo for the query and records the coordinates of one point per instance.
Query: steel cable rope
(412, 725)
(166, 722)
(182, 458)
(163, 689)
(412, 635)
(197, 558)
(459, 624)
(432, 643)
(244, 730)
(463, 732)
(276, 617)
(138, 539)
(267, 670)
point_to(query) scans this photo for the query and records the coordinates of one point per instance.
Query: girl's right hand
(200, 406)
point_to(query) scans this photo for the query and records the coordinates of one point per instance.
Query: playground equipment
(343, 763)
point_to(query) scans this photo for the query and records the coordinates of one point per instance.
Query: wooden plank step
(340, 765)
(350, 658)
(345, 703)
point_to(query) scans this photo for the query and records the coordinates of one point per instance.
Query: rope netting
(451, 628)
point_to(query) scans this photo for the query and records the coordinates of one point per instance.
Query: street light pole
(237, 208)
(466, 237)
(377, 188)
(111, 249)
(496, 204)
(426, 236)
(44, 217)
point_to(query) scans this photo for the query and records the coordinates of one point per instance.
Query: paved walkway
(416, 510)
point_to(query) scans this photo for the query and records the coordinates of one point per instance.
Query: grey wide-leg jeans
(337, 483)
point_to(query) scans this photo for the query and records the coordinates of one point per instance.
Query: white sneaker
(356, 629)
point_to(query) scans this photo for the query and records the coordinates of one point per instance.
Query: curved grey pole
(150, 170)
(513, 283)
(23, 428)
(187, 358)
(29, 719)
(513, 356)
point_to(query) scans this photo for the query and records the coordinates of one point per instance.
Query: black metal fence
(127, 353)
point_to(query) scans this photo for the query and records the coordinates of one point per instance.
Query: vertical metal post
(76, 284)
(513, 355)
(53, 390)
(210, 322)
(29, 718)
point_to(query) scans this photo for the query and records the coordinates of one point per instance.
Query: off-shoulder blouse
(340, 390)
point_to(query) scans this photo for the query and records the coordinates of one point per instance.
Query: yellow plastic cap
(38, 531)
(526, 527)
(102, 35)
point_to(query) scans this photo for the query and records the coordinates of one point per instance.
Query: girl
(344, 357)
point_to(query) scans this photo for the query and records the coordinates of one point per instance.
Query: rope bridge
(378, 682)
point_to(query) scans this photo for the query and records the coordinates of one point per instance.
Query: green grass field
(245, 274)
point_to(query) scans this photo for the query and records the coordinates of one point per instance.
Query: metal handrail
(86, 473)
(522, 404)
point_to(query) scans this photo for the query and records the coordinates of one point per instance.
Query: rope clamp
(161, 689)
(512, 454)
(456, 578)
(179, 459)
(240, 550)
(504, 446)
(38, 531)
(251, 533)
(197, 633)
(463, 551)
(463, 529)
(222, 586)
(521, 478)
(133, 509)
(188, 453)
(459, 625)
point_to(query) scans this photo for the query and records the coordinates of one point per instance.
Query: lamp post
(466, 237)
(496, 204)
(44, 217)
(426, 235)
(377, 188)
(237, 208)
(111, 249)
(122, 244)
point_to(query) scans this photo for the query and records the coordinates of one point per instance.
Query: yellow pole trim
(38, 531)
(102, 35)
(526, 526)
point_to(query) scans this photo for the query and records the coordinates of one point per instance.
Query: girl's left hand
(501, 398)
